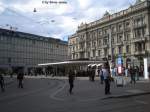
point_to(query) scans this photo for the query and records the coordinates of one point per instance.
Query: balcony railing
(119, 43)
(81, 49)
(105, 46)
(135, 26)
(139, 39)
(139, 52)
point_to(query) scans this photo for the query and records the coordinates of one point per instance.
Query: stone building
(125, 33)
(23, 51)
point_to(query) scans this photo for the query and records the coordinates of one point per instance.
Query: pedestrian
(141, 70)
(112, 71)
(20, 79)
(93, 74)
(137, 72)
(126, 71)
(132, 74)
(106, 75)
(90, 72)
(149, 70)
(71, 78)
(2, 84)
(101, 75)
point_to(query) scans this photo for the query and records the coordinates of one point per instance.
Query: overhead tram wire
(30, 19)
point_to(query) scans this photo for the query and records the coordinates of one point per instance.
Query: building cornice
(108, 19)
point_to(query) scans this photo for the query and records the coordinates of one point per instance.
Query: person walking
(137, 72)
(2, 84)
(93, 74)
(89, 72)
(71, 78)
(126, 71)
(20, 79)
(101, 75)
(132, 74)
(106, 75)
(149, 70)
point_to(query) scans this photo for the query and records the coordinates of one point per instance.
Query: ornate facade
(125, 33)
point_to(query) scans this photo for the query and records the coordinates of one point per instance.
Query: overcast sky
(57, 20)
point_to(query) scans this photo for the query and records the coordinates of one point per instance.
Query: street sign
(119, 61)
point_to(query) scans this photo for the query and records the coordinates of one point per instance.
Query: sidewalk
(85, 90)
(88, 91)
(141, 79)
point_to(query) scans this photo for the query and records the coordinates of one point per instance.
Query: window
(120, 49)
(113, 51)
(143, 31)
(94, 53)
(100, 32)
(127, 49)
(1, 38)
(113, 29)
(120, 27)
(9, 60)
(99, 52)
(105, 42)
(99, 42)
(88, 54)
(94, 44)
(105, 52)
(127, 24)
(139, 33)
(113, 39)
(127, 37)
(119, 38)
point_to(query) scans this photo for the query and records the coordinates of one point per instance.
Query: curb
(126, 95)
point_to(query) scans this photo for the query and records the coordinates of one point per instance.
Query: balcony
(93, 47)
(126, 42)
(104, 35)
(127, 29)
(119, 43)
(73, 51)
(81, 49)
(136, 53)
(136, 26)
(134, 40)
(105, 46)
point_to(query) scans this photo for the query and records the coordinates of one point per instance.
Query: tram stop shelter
(65, 66)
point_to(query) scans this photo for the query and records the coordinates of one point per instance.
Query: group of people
(104, 74)
(20, 77)
(131, 71)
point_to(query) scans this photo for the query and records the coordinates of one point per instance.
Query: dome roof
(106, 13)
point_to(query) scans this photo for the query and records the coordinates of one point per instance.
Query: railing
(139, 25)
(119, 43)
(139, 52)
(139, 39)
